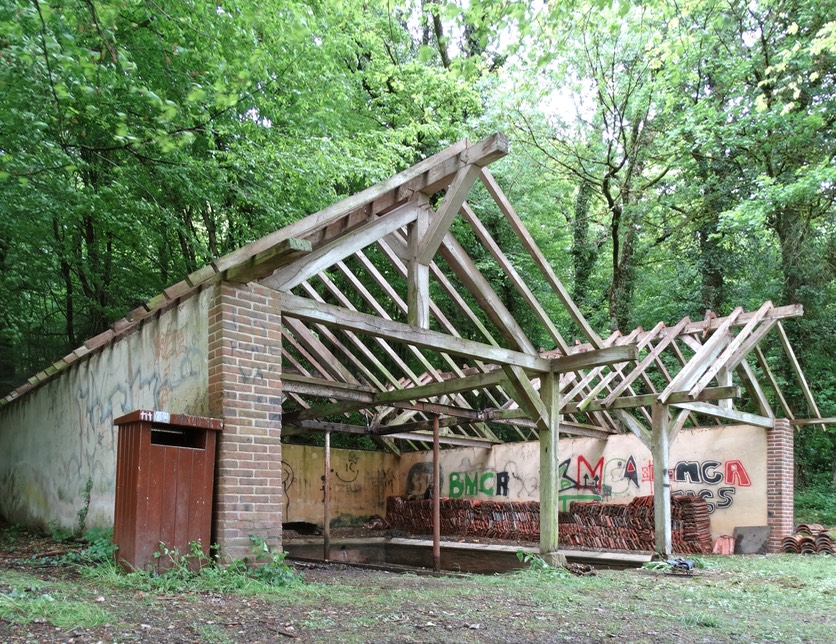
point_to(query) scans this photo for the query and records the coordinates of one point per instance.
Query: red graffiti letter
(593, 477)
(736, 474)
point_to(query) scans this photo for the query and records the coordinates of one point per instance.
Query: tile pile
(600, 526)
(809, 539)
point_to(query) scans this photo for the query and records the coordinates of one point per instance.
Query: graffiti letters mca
(724, 477)
(474, 483)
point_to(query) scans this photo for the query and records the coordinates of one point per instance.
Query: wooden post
(436, 500)
(550, 470)
(326, 521)
(661, 479)
(418, 273)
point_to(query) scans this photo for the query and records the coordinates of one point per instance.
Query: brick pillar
(780, 485)
(245, 391)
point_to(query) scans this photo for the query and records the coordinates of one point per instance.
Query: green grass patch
(817, 504)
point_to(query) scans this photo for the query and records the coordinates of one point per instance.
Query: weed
(538, 565)
(81, 515)
(28, 604)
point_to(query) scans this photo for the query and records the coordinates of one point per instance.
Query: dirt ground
(338, 603)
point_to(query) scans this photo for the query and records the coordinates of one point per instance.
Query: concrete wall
(360, 483)
(57, 437)
(726, 466)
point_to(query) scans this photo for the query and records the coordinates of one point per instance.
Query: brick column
(780, 484)
(245, 391)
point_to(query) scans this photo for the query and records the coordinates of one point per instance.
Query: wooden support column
(550, 470)
(418, 273)
(660, 448)
(436, 499)
(326, 485)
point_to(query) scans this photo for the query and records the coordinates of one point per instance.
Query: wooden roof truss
(388, 321)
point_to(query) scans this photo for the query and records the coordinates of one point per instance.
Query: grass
(749, 598)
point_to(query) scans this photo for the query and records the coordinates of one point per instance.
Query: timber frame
(389, 323)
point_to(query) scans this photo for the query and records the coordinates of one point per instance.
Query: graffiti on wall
(589, 479)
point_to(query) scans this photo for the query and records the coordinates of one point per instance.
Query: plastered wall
(726, 466)
(62, 434)
(360, 483)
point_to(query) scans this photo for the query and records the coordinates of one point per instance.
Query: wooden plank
(799, 373)
(338, 249)
(647, 360)
(343, 318)
(479, 287)
(309, 386)
(536, 254)
(720, 362)
(734, 415)
(677, 425)
(702, 359)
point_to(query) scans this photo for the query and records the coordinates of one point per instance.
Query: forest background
(669, 158)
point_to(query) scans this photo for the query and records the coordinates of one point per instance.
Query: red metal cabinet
(165, 468)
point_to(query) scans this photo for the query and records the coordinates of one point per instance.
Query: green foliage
(817, 504)
(195, 571)
(538, 566)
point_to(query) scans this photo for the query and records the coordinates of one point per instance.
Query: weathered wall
(57, 437)
(726, 466)
(360, 483)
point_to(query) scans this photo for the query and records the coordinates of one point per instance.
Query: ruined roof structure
(365, 335)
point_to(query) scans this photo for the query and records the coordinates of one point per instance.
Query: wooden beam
(416, 176)
(445, 387)
(550, 467)
(317, 387)
(597, 358)
(264, 263)
(440, 222)
(341, 247)
(646, 400)
(661, 479)
(539, 259)
(511, 273)
(527, 396)
(764, 365)
(653, 355)
(339, 317)
(734, 415)
(702, 359)
(814, 421)
(480, 288)
(418, 273)
(799, 373)
(753, 387)
(720, 362)
(634, 426)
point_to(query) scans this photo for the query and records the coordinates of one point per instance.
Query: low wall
(360, 483)
(61, 435)
(726, 466)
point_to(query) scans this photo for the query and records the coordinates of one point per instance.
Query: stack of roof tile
(600, 526)
(809, 539)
